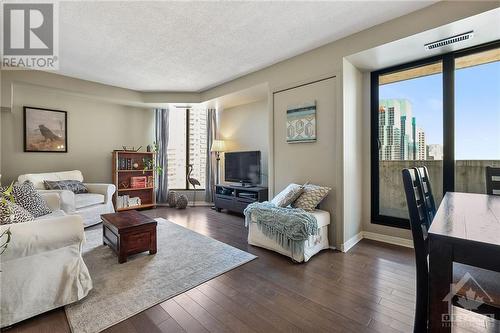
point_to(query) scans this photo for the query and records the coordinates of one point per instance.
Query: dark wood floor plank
(295, 303)
(183, 318)
(201, 315)
(170, 326)
(149, 320)
(248, 316)
(265, 306)
(218, 312)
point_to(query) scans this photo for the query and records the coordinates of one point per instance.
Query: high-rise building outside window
(187, 147)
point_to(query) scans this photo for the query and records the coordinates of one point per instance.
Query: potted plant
(150, 163)
(6, 235)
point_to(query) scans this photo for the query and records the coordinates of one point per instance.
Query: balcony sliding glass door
(410, 123)
(477, 118)
(442, 112)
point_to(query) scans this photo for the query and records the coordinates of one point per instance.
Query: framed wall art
(45, 130)
(301, 123)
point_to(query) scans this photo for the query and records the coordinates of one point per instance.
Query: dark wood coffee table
(129, 232)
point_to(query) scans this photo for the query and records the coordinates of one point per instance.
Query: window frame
(448, 65)
(186, 183)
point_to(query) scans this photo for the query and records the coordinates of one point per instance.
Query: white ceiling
(486, 27)
(192, 46)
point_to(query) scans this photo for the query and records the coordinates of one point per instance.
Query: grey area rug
(184, 260)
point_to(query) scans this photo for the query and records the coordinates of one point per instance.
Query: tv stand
(236, 198)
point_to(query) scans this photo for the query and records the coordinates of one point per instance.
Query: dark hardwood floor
(369, 289)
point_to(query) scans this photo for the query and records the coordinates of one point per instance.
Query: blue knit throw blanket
(289, 227)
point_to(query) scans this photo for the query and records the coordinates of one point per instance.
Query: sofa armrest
(105, 189)
(30, 238)
(67, 199)
(53, 200)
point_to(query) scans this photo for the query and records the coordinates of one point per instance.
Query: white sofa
(90, 205)
(42, 267)
(311, 246)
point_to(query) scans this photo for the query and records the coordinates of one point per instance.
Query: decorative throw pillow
(311, 197)
(288, 195)
(26, 196)
(12, 213)
(74, 186)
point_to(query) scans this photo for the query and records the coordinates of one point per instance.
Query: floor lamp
(218, 146)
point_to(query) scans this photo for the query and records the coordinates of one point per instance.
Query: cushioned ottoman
(312, 246)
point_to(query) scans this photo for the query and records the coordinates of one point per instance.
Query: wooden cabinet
(129, 166)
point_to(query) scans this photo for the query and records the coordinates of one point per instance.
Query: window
(410, 122)
(477, 118)
(443, 113)
(187, 147)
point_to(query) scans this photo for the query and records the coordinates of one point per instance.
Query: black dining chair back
(421, 209)
(492, 180)
(430, 204)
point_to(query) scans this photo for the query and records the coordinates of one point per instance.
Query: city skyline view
(477, 111)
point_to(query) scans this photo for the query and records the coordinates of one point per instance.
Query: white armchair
(42, 267)
(90, 205)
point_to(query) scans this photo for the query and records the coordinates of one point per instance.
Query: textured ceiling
(191, 46)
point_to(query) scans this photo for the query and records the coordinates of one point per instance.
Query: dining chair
(426, 191)
(492, 180)
(420, 221)
(422, 209)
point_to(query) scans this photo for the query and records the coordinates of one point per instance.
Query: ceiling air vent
(449, 40)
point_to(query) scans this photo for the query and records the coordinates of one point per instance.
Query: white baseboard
(351, 242)
(388, 239)
(376, 237)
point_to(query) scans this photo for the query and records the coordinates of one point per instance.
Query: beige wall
(245, 127)
(313, 162)
(95, 128)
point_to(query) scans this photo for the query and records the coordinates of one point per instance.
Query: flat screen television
(242, 167)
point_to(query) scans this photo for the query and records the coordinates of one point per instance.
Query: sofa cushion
(13, 213)
(26, 196)
(38, 178)
(55, 213)
(74, 186)
(88, 199)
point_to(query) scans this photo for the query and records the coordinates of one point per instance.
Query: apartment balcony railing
(469, 177)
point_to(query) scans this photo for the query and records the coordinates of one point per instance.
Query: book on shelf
(124, 201)
(125, 163)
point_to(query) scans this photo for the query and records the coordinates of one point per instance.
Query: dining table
(466, 230)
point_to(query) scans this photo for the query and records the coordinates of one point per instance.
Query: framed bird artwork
(45, 130)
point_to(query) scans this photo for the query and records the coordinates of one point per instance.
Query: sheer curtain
(161, 133)
(211, 162)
